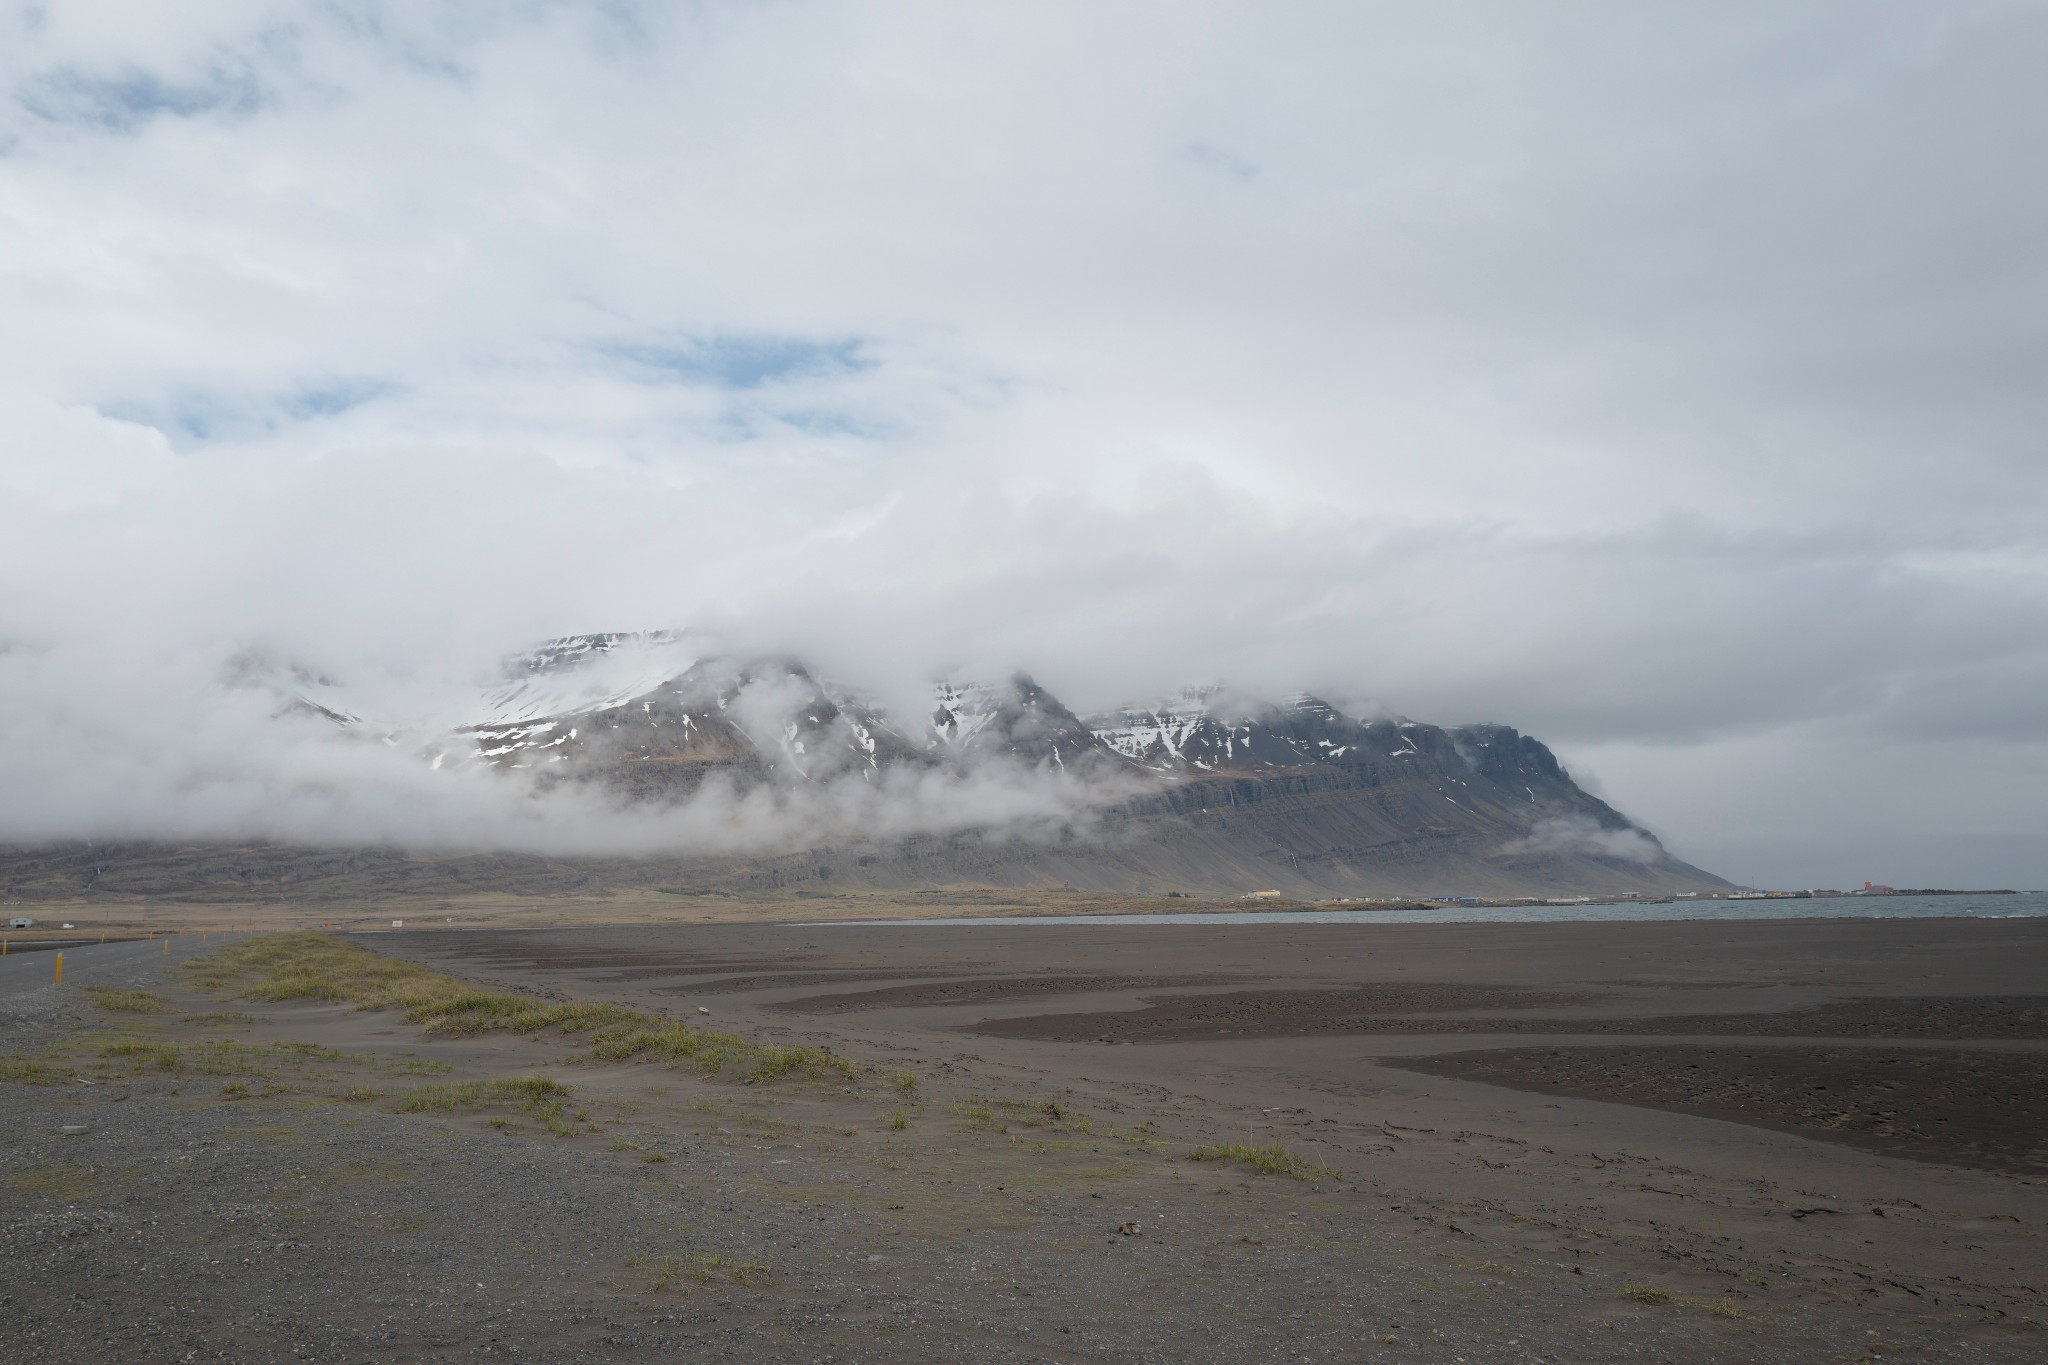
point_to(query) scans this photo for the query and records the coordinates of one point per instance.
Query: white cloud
(1580, 834)
(1651, 382)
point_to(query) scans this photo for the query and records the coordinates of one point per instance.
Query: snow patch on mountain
(579, 673)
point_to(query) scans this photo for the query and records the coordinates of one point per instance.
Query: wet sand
(1946, 1105)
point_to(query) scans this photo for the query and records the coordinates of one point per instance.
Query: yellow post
(60, 969)
(3, 947)
(167, 947)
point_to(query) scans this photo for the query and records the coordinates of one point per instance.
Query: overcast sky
(1665, 380)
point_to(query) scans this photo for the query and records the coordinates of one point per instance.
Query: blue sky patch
(745, 362)
(197, 415)
(125, 102)
(329, 400)
(831, 422)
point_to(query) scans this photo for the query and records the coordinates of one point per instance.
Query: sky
(1663, 380)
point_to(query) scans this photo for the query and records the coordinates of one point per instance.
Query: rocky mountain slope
(1208, 792)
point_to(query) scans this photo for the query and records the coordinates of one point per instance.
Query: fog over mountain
(622, 760)
(1660, 382)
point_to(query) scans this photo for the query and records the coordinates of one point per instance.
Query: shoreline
(125, 923)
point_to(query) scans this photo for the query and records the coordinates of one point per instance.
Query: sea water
(2025, 904)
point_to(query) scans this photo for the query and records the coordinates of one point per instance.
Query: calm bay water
(2025, 905)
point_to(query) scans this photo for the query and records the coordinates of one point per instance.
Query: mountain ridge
(1206, 792)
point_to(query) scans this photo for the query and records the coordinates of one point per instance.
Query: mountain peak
(1200, 789)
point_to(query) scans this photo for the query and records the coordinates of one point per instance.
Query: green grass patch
(310, 966)
(146, 1056)
(1270, 1159)
(542, 1099)
(58, 1180)
(1644, 1293)
(978, 1114)
(115, 1000)
(415, 1066)
(33, 1071)
(222, 1058)
(671, 1272)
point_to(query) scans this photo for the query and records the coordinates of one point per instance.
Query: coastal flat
(1504, 1151)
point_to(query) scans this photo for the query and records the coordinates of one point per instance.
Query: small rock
(72, 1129)
(702, 1010)
(1127, 1229)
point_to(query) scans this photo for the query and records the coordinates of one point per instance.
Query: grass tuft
(311, 966)
(543, 1099)
(664, 1272)
(143, 1056)
(979, 1115)
(32, 1071)
(223, 1058)
(1272, 1159)
(1644, 1293)
(58, 1180)
(115, 1000)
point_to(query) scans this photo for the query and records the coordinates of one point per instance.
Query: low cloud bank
(187, 759)
(1580, 834)
(405, 580)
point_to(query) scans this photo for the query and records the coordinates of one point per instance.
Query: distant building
(1260, 896)
(21, 922)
